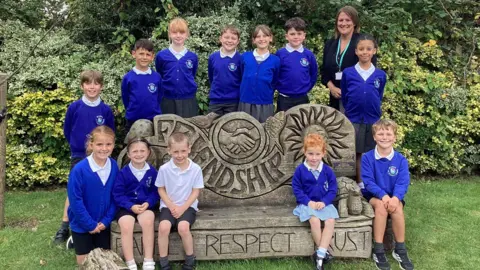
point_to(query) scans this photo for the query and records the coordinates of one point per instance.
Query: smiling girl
(260, 74)
(136, 195)
(90, 194)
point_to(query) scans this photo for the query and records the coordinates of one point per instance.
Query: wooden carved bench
(246, 206)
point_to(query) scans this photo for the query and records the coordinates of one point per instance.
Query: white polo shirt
(103, 172)
(179, 184)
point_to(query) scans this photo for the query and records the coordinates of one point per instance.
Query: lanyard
(343, 53)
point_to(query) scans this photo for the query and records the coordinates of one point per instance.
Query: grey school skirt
(185, 108)
(259, 112)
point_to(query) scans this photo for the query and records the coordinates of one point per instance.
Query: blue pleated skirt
(305, 213)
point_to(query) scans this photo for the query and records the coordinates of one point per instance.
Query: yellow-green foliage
(37, 153)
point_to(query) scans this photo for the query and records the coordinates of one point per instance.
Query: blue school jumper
(383, 176)
(80, 120)
(298, 72)
(259, 79)
(178, 76)
(90, 201)
(141, 95)
(225, 76)
(307, 188)
(128, 191)
(363, 99)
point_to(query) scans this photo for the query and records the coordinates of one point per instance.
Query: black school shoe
(191, 266)
(402, 259)
(381, 261)
(328, 258)
(61, 236)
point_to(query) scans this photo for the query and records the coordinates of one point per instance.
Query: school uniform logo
(376, 83)
(152, 87)
(304, 62)
(232, 67)
(189, 64)
(392, 171)
(149, 181)
(100, 120)
(325, 186)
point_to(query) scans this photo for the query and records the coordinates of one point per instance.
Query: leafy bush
(37, 153)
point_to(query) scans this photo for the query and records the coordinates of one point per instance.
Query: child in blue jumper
(260, 75)
(362, 93)
(225, 73)
(298, 67)
(82, 117)
(315, 187)
(89, 188)
(141, 87)
(386, 177)
(135, 196)
(178, 67)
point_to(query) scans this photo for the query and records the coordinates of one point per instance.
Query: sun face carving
(305, 120)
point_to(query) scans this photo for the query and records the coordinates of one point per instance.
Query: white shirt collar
(94, 103)
(365, 73)
(260, 58)
(389, 157)
(231, 55)
(176, 168)
(319, 168)
(291, 49)
(139, 72)
(178, 55)
(134, 170)
(95, 167)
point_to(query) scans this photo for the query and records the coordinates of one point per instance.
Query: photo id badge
(338, 76)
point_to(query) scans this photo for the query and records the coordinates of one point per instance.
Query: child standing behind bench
(260, 75)
(82, 117)
(179, 182)
(315, 187)
(362, 93)
(178, 67)
(386, 177)
(135, 195)
(141, 87)
(298, 67)
(225, 73)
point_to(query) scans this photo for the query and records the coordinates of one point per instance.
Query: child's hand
(100, 226)
(136, 209)
(144, 206)
(386, 201)
(312, 204)
(319, 205)
(393, 204)
(96, 230)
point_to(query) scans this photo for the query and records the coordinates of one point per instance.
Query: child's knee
(183, 228)
(147, 218)
(329, 223)
(381, 212)
(126, 224)
(164, 228)
(315, 223)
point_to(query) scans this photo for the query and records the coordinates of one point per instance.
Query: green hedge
(433, 89)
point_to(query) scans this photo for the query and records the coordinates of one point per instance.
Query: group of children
(98, 192)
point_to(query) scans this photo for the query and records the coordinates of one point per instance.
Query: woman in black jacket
(339, 53)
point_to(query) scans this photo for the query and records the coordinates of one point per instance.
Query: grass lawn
(442, 232)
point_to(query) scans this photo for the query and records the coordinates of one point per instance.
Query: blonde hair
(95, 132)
(91, 76)
(178, 25)
(384, 124)
(314, 140)
(353, 14)
(177, 137)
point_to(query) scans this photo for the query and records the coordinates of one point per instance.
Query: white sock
(131, 265)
